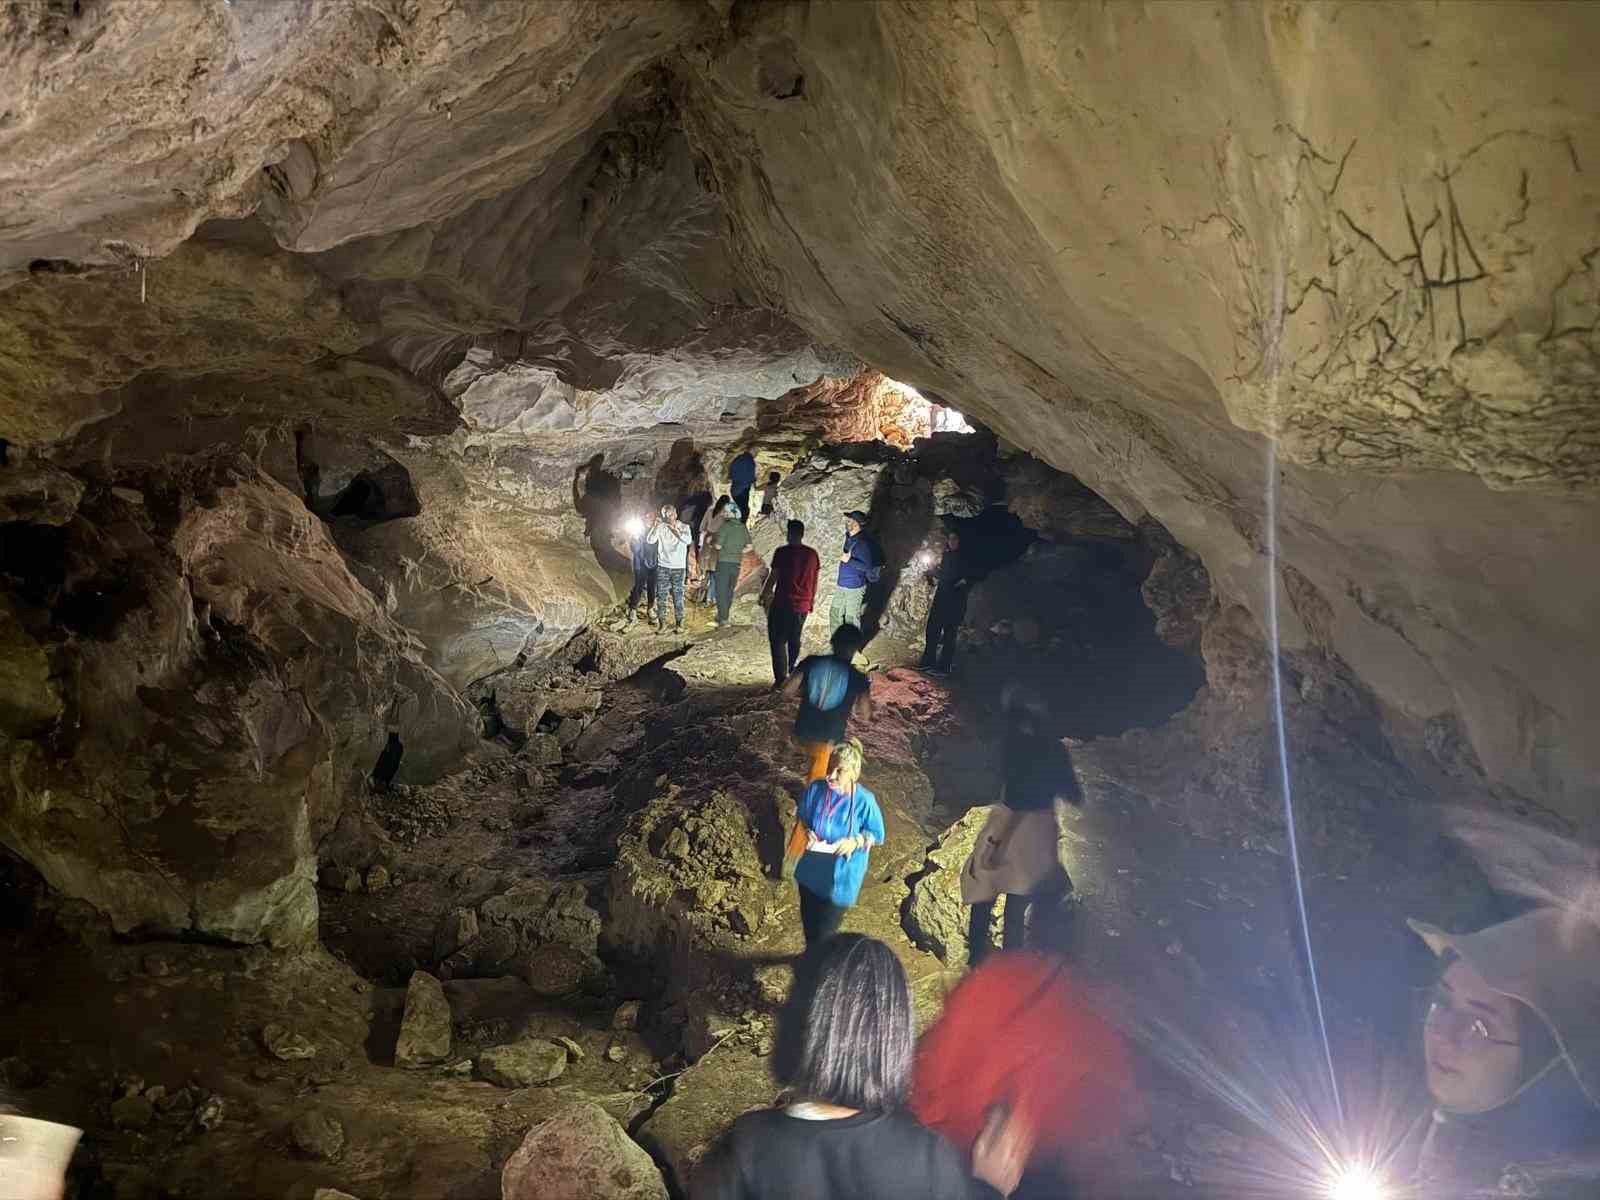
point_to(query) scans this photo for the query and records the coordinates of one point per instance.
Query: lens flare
(925, 559)
(1355, 1183)
(634, 526)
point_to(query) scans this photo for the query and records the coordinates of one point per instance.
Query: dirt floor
(1197, 933)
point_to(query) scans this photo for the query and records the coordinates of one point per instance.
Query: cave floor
(1195, 934)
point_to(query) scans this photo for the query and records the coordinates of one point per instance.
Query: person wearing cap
(1511, 1047)
(858, 566)
(732, 538)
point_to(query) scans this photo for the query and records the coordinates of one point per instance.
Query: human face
(1469, 1040)
(840, 779)
(852, 526)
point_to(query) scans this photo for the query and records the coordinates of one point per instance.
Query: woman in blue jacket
(842, 822)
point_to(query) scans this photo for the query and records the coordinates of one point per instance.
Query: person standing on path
(732, 538)
(708, 536)
(831, 691)
(949, 607)
(1015, 855)
(741, 478)
(858, 566)
(843, 822)
(769, 494)
(671, 538)
(645, 561)
(788, 595)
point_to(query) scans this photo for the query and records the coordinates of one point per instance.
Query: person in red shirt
(790, 589)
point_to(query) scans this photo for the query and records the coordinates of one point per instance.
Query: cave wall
(474, 245)
(1133, 238)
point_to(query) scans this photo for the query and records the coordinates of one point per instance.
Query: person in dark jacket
(741, 478)
(949, 607)
(841, 1131)
(1015, 855)
(859, 565)
(790, 590)
(1511, 1045)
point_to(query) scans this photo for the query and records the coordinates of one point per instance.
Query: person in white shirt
(671, 537)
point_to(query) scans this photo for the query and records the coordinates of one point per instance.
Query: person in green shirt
(732, 537)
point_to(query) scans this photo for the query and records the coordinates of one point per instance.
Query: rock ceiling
(1133, 239)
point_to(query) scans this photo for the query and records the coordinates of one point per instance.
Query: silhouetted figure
(388, 763)
(741, 478)
(597, 498)
(949, 608)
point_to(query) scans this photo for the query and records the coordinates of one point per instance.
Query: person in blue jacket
(842, 822)
(741, 478)
(858, 566)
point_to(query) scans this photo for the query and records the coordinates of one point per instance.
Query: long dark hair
(845, 1036)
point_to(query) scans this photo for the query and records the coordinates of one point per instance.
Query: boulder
(522, 1064)
(581, 1154)
(425, 1028)
(706, 1099)
(936, 916)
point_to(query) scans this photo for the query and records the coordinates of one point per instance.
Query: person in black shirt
(1015, 854)
(841, 1132)
(949, 607)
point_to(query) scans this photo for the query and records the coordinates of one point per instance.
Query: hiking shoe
(678, 628)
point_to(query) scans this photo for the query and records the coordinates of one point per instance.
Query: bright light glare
(1355, 1183)
(634, 526)
(925, 559)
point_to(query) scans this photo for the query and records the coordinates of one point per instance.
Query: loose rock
(626, 1016)
(132, 1112)
(582, 1154)
(377, 878)
(425, 1027)
(318, 1135)
(455, 929)
(287, 1045)
(523, 1064)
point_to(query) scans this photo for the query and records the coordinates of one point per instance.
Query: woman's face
(1470, 1041)
(840, 778)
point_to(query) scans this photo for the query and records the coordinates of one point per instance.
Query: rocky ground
(589, 916)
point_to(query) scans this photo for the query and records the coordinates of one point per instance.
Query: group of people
(682, 548)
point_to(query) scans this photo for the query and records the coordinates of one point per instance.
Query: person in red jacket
(790, 589)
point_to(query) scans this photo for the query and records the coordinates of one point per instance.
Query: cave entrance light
(905, 414)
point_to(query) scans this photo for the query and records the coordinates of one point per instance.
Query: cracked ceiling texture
(476, 242)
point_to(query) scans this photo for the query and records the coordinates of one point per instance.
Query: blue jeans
(669, 581)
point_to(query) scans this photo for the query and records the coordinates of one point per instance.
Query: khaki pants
(846, 608)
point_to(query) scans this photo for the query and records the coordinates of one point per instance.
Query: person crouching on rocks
(841, 1131)
(843, 822)
(1015, 855)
